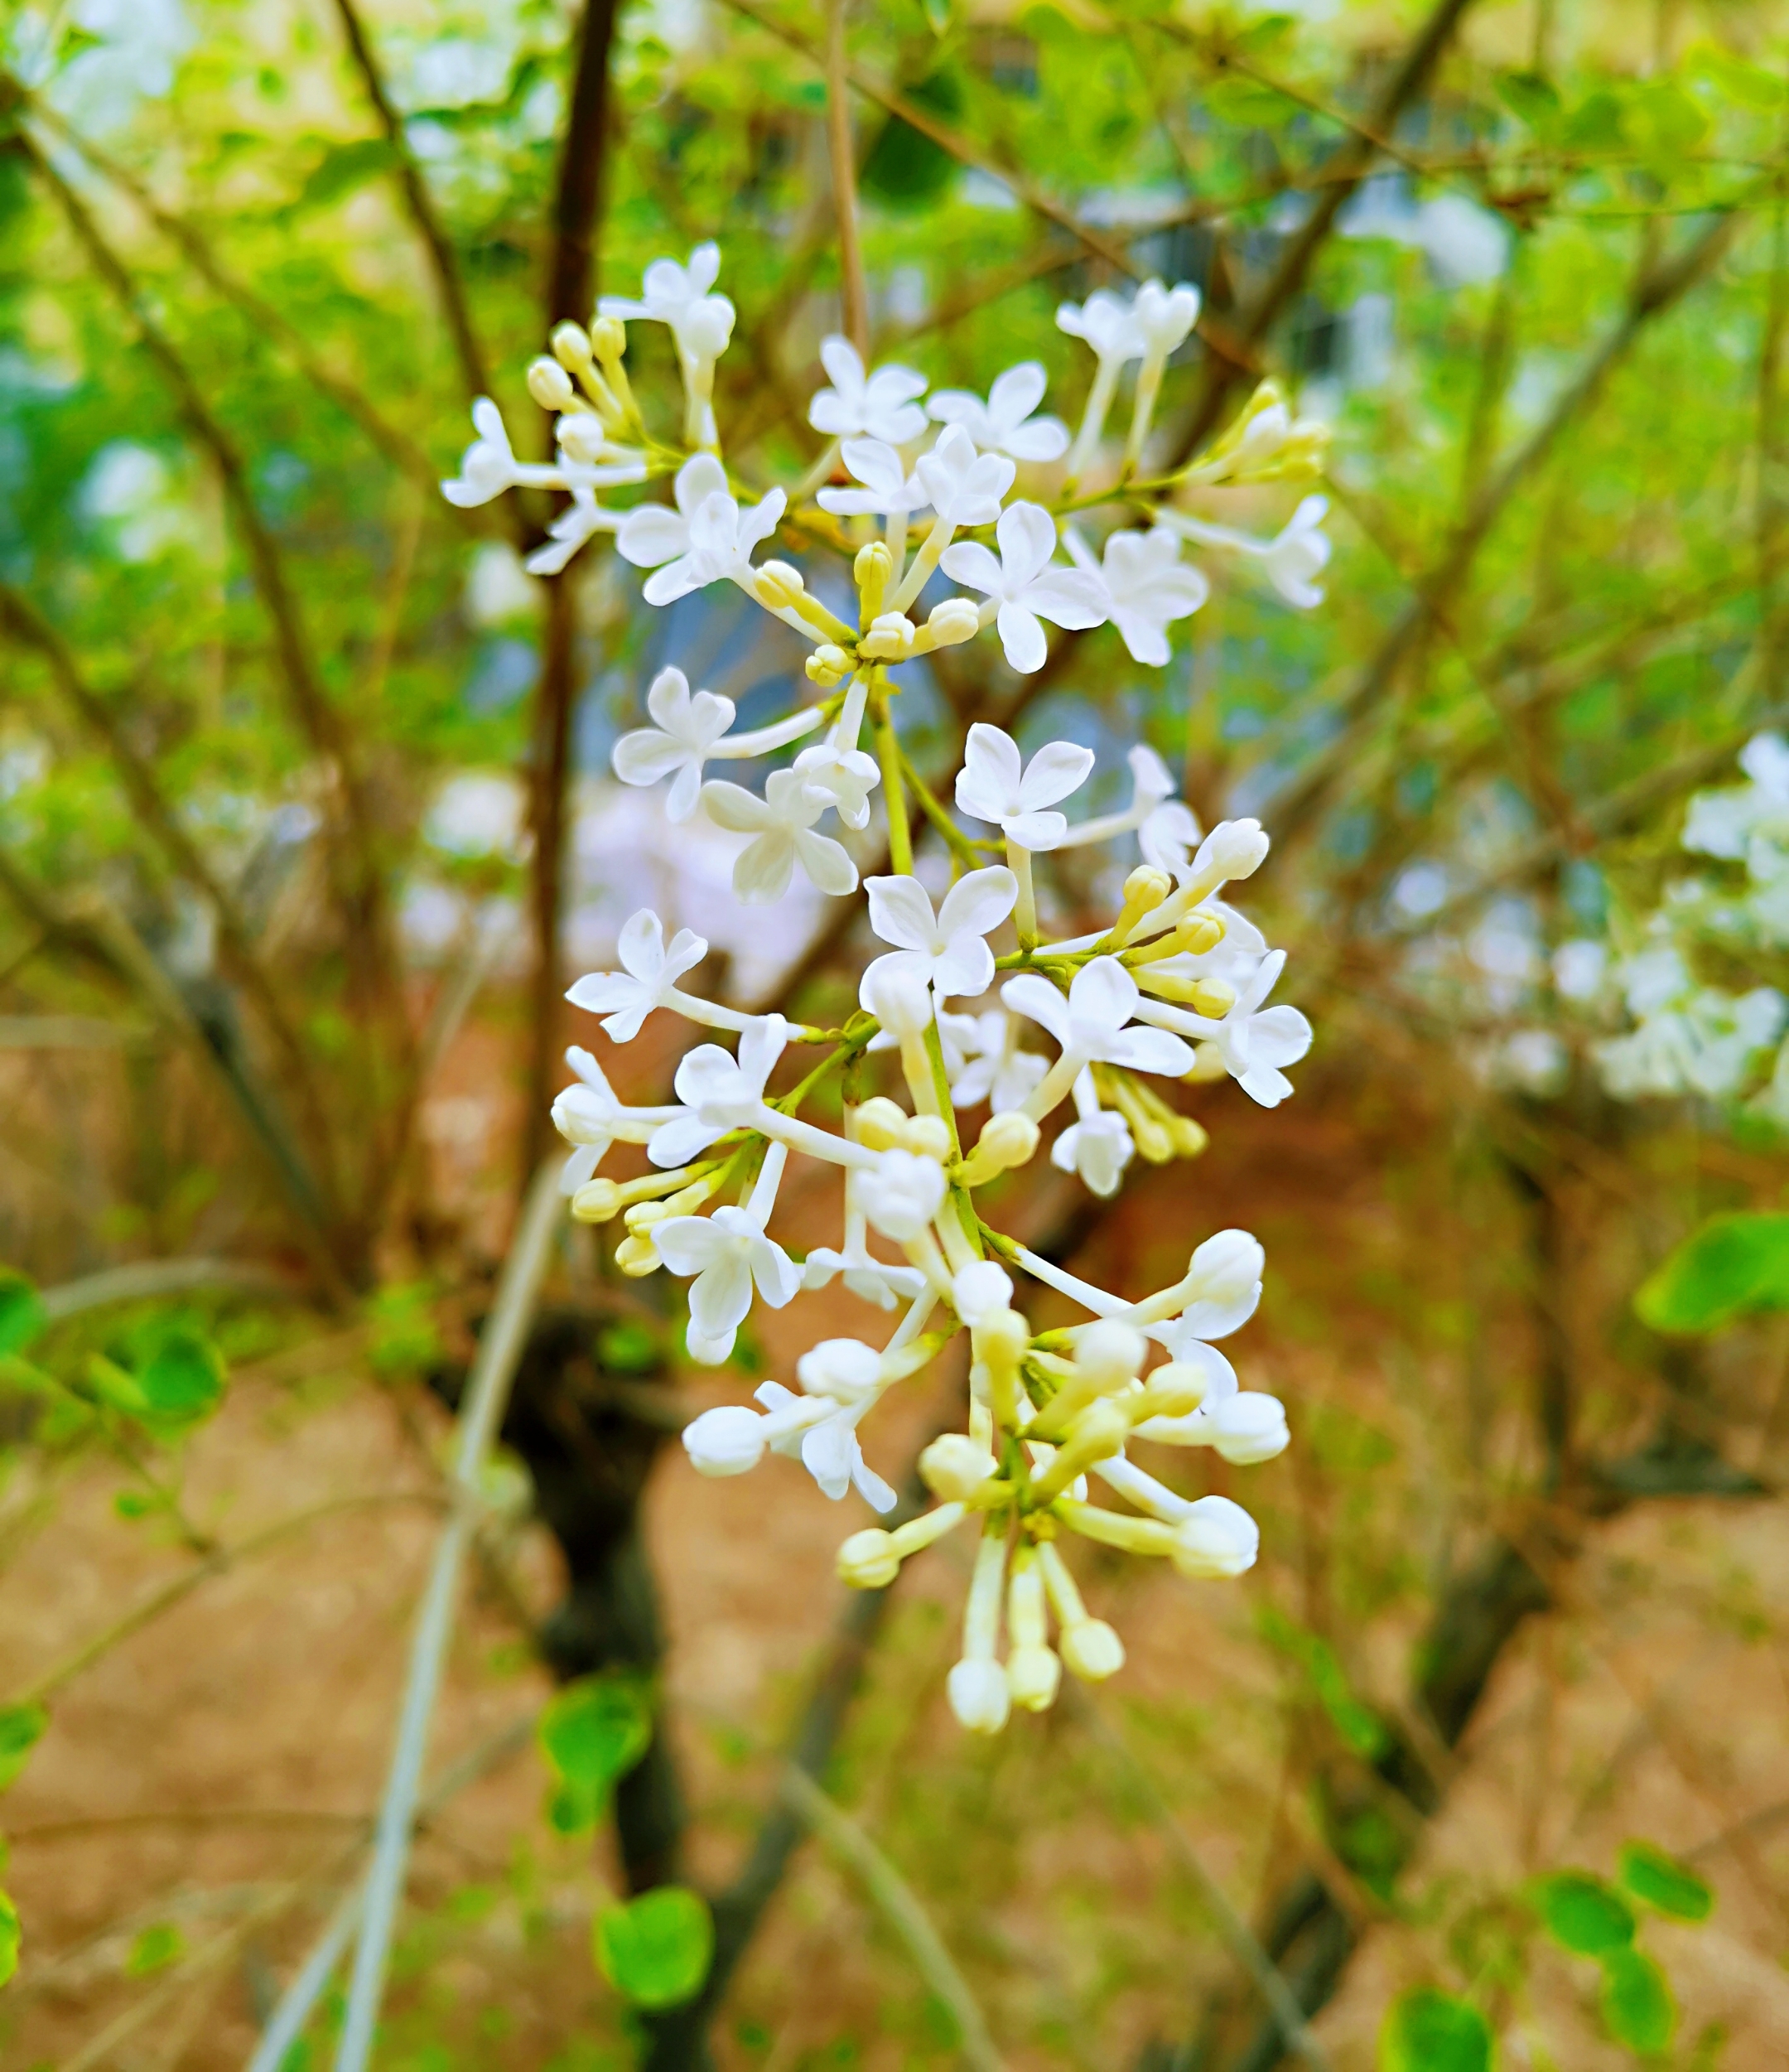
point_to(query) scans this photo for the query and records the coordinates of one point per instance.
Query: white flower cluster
(1175, 988)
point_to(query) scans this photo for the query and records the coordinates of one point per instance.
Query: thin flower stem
(962, 851)
(894, 791)
(1024, 913)
(923, 562)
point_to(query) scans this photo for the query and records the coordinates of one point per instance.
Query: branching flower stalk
(1173, 989)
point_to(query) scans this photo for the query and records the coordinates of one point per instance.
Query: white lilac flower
(1144, 587)
(1005, 423)
(701, 323)
(1291, 560)
(580, 520)
(1106, 324)
(993, 784)
(1023, 585)
(1726, 823)
(1093, 1025)
(706, 539)
(1097, 1146)
(1255, 1042)
(1168, 838)
(686, 730)
(1150, 785)
(720, 1093)
(648, 977)
(878, 406)
(963, 486)
(728, 1254)
(995, 1070)
(946, 950)
(840, 777)
(888, 491)
(488, 465)
(781, 825)
(870, 1279)
(901, 1193)
(589, 1118)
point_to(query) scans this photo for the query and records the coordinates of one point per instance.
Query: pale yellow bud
(829, 665)
(596, 1201)
(550, 385)
(608, 338)
(1174, 1391)
(779, 583)
(927, 1137)
(1033, 1677)
(1108, 1355)
(637, 1256)
(582, 437)
(868, 1561)
(1152, 1140)
(890, 638)
(1189, 1140)
(1146, 887)
(570, 346)
(643, 1214)
(881, 1123)
(952, 622)
(1092, 1650)
(954, 1467)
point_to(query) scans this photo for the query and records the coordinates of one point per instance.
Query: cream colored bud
(643, 1214)
(952, 622)
(927, 1137)
(890, 638)
(780, 582)
(1012, 1138)
(1189, 1140)
(1097, 1434)
(1146, 888)
(608, 338)
(638, 1256)
(550, 385)
(1108, 1355)
(1212, 996)
(581, 438)
(570, 346)
(1174, 1391)
(1152, 1139)
(953, 1467)
(881, 1124)
(596, 1201)
(868, 1561)
(829, 666)
(1033, 1677)
(875, 563)
(1092, 1650)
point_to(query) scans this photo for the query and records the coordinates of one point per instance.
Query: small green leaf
(1637, 2008)
(593, 1732)
(21, 1727)
(115, 1386)
(183, 1378)
(1531, 98)
(1735, 1263)
(22, 1312)
(157, 1947)
(1664, 1883)
(1431, 2031)
(9, 1938)
(630, 1349)
(655, 1950)
(346, 166)
(1584, 1915)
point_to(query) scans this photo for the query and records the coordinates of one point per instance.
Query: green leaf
(344, 167)
(184, 1377)
(1584, 1915)
(1637, 2008)
(904, 167)
(1531, 98)
(630, 1349)
(1427, 2031)
(22, 1312)
(159, 1945)
(1734, 78)
(9, 1938)
(1664, 1884)
(1735, 1263)
(593, 1732)
(21, 1727)
(655, 1950)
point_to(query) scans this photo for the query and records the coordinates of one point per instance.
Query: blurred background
(306, 818)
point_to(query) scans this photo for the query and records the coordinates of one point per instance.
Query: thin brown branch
(442, 262)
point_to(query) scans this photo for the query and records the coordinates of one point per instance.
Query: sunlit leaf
(1664, 1884)
(655, 1950)
(592, 1733)
(21, 1727)
(10, 1937)
(1735, 1263)
(183, 1379)
(1582, 1914)
(1427, 2031)
(1637, 2008)
(159, 1945)
(22, 1312)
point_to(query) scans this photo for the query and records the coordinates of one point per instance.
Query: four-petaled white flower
(888, 491)
(1106, 324)
(707, 539)
(1164, 316)
(901, 1193)
(1254, 1042)
(825, 1445)
(1147, 587)
(1027, 587)
(1097, 1145)
(839, 777)
(488, 467)
(1299, 554)
(586, 1116)
(727, 1253)
(581, 520)
(1005, 423)
(993, 1068)
(719, 1092)
(946, 950)
(870, 1279)
(1092, 1024)
(648, 977)
(994, 785)
(687, 728)
(878, 406)
(781, 825)
(678, 296)
(1169, 838)
(963, 486)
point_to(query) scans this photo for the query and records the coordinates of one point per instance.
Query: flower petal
(1035, 831)
(1022, 638)
(1027, 537)
(1058, 768)
(644, 755)
(826, 861)
(719, 1296)
(966, 968)
(1150, 1051)
(1067, 597)
(970, 563)
(979, 901)
(1033, 996)
(734, 807)
(692, 1244)
(651, 535)
(901, 912)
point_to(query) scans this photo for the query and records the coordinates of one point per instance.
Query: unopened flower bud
(1092, 1650)
(642, 1216)
(581, 438)
(890, 639)
(952, 622)
(596, 1201)
(1249, 1427)
(1174, 1391)
(550, 384)
(979, 1696)
(1189, 1140)
(927, 1137)
(881, 1123)
(953, 1467)
(901, 1194)
(570, 346)
(1213, 996)
(868, 1561)
(1006, 1141)
(829, 665)
(608, 338)
(727, 1440)
(780, 582)
(981, 1289)
(1144, 890)
(1217, 1538)
(873, 569)
(1108, 1355)
(636, 1256)
(1033, 1676)
(1233, 849)
(1152, 1140)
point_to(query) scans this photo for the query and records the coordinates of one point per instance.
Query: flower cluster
(972, 1004)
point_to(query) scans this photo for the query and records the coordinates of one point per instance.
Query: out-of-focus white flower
(1532, 1061)
(840, 777)
(878, 406)
(901, 1193)
(946, 950)
(488, 467)
(719, 1092)
(686, 730)
(727, 1253)
(1579, 968)
(1216, 1538)
(870, 1279)
(1144, 587)
(1710, 1045)
(1291, 560)
(1164, 317)
(888, 491)
(706, 539)
(1024, 585)
(994, 785)
(1724, 822)
(1097, 1146)
(648, 977)
(1093, 1024)
(1005, 423)
(1150, 784)
(963, 486)
(979, 1289)
(581, 520)
(589, 1117)
(995, 1069)
(700, 322)
(1105, 323)
(781, 825)
(1169, 836)
(1255, 1041)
